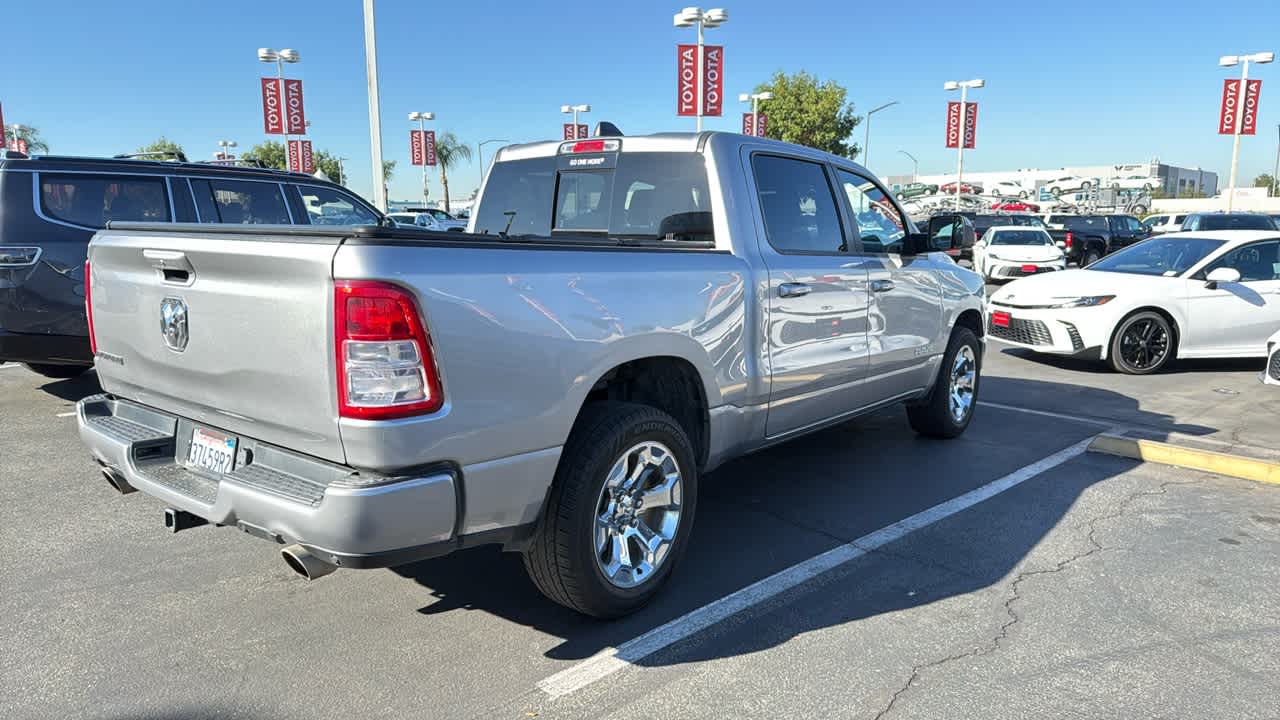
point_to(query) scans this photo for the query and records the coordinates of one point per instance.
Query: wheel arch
(1159, 310)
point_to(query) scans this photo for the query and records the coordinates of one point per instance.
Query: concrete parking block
(1230, 465)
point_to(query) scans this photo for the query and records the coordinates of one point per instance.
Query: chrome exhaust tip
(301, 561)
(117, 482)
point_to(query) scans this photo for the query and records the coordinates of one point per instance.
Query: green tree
(388, 171)
(269, 154)
(807, 112)
(328, 163)
(1264, 180)
(35, 144)
(449, 153)
(162, 145)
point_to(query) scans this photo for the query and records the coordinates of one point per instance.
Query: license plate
(1029, 268)
(1000, 319)
(212, 451)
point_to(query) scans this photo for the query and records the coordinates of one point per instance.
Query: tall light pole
(915, 166)
(574, 110)
(754, 99)
(1275, 181)
(866, 137)
(421, 118)
(375, 116)
(692, 16)
(963, 86)
(480, 150)
(225, 145)
(1243, 61)
(280, 57)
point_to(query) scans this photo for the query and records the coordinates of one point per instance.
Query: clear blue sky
(1078, 83)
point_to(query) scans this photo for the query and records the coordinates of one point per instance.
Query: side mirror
(951, 232)
(1221, 275)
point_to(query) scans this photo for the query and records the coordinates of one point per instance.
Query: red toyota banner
(713, 80)
(953, 124)
(272, 112)
(417, 153)
(3, 132)
(308, 160)
(296, 120)
(22, 145)
(687, 80)
(970, 125)
(429, 146)
(761, 124)
(295, 156)
(583, 132)
(1231, 102)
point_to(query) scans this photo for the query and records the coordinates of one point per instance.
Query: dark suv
(51, 206)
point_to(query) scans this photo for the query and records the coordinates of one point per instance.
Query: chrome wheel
(964, 380)
(1144, 344)
(638, 514)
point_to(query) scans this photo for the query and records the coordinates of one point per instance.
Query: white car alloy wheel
(638, 514)
(964, 380)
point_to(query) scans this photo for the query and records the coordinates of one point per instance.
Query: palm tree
(32, 136)
(449, 153)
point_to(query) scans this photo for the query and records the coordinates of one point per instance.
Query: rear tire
(1142, 344)
(949, 408)
(57, 372)
(572, 551)
(1090, 257)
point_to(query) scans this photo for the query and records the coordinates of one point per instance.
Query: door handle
(793, 289)
(173, 265)
(881, 285)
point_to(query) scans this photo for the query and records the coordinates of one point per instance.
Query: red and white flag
(272, 107)
(429, 147)
(687, 86)
(417, 153)
(712, 80)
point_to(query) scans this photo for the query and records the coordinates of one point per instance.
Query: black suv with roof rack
(51, 206)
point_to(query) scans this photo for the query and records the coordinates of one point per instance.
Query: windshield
(1020, 237)
(645, 196)
(1236, 222)
(1162, 256)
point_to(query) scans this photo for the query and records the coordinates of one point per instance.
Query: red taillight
(386, 368)
(88, 306)
(1067, 242)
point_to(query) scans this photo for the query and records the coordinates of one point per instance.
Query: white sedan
(1180, 295)
(1013, 251)
(1271, 375)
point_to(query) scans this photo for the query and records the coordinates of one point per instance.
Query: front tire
(1142, 344)
(620, 511)
(950, 406)
(58, 372)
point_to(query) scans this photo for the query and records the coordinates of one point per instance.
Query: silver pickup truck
(625, 314)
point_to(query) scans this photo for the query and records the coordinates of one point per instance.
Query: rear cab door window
(236, 202)
(91, 201)
(330, 206)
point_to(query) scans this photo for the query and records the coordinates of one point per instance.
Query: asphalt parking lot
(1006, 574)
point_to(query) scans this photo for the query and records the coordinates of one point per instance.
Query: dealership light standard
(1275, 182)
(480, 149)
(963, 86)
(915, 166)
(280, 57)
(421, 118)
(692, 16)
(867, 135)
(754, 99)
(574, 110)
(1243, 61)
(226, 145)
(375, 110)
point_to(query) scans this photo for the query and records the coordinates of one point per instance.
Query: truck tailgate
(257, 358)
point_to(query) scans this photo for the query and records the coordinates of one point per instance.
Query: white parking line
(611, 660)
(1046, 413)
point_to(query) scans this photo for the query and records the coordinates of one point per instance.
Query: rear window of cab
(92, 201)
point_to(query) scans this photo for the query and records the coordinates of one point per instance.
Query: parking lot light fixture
(480, 152)
(866, 136)
(915, 166)
(226, 146)
(701, 19)
(1261, 58)
(963, 86)
(574, 110)
(754, 99)
(421, 118)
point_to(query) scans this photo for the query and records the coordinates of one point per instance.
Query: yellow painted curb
(1218, 463)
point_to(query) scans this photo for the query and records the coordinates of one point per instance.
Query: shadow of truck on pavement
(768, 511)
